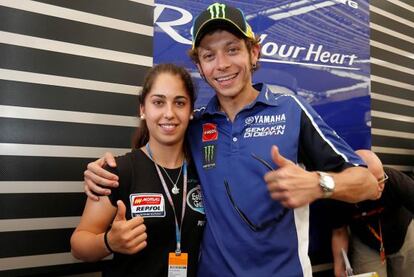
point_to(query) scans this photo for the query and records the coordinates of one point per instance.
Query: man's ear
(200, 70)
(255, 51)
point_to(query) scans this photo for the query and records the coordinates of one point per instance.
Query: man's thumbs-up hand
(290, 184)
(127, 236)
(278, 159)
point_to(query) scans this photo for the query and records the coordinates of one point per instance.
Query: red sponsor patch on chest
(146, 200)
(147, 204)
(210, 132)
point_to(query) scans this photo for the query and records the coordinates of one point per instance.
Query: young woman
(153, 221)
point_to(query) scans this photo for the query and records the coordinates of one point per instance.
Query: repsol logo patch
(147, 204)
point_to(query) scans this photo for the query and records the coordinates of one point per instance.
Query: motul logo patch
(147, 200)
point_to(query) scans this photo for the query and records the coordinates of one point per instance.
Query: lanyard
(379, 238)
(178, 228)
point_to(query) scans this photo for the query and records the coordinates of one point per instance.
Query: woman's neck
(168, 156)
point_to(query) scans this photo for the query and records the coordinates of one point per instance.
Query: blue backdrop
(316, 49)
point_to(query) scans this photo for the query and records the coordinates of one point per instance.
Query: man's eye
(233, 50)
(208, 56)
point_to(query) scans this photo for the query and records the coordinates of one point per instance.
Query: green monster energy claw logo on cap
(216, 9)
(209, 156)
(224, 15)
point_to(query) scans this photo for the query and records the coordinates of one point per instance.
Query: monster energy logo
(216, 9)
(209, 156)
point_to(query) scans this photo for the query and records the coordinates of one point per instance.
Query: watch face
(328, 182)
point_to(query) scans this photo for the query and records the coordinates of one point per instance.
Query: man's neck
(233, 105)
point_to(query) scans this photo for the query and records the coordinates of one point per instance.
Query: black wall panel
(68, 93)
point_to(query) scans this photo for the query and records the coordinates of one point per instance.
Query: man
(256, 227)
(382, 230)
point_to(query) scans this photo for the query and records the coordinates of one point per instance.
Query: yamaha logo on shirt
(209, 156)
(147, 204)
(265, 119)
(265, 125)
(249, 120)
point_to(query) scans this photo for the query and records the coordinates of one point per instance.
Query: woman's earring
(142, 117)
(191, 117)
(254, 65)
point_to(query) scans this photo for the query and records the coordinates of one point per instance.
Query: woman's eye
(180, 104)
(157, 102)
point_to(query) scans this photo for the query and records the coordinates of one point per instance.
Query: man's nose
(223, 61)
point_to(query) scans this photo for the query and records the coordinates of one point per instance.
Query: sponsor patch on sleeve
(147, 204)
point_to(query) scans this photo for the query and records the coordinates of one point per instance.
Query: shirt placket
(235, 136)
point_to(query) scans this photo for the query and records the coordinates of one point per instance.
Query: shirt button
(234, 139)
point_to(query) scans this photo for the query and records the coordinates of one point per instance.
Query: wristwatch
(327, 184)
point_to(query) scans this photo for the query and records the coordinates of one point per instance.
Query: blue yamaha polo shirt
(248, 233)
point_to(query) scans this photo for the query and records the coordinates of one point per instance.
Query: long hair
(141, 135)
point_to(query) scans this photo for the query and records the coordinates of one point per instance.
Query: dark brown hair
(141, 135)
(250, 43)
